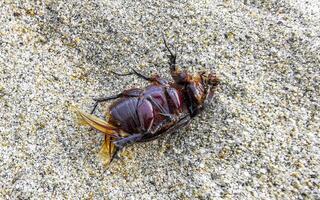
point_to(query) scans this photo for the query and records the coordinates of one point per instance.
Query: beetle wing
(107, 150)
(95, 122)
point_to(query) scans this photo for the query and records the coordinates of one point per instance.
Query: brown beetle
(141, 115)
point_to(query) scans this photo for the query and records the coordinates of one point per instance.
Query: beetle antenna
(173, 56)
(176, 46)
(166, 44)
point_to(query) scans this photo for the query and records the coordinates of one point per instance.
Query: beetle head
(199, 87)
(210, 81)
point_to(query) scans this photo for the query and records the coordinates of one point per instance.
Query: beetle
(140, 115)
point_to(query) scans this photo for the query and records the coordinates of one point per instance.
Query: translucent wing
(95, 122)
(108, 148)
(107, 151)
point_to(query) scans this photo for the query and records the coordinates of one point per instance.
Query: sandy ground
(258, 139)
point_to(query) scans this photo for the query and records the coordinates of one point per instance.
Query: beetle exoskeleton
(140, 115)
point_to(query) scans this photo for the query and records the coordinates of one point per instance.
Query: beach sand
(258, 139)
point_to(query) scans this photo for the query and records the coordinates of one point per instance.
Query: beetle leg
(171, 117)
(158, 127)
(208, 98)
(134, 72)
(180, 122)
(115, 154)
(154, 78)
(141, 75)
(127, 140)
(118, 74)
(102, 99)
(127, 93)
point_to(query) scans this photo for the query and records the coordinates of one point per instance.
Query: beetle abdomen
(143, 114)
(133, 115)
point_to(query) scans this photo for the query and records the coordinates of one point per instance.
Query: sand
(259, 139)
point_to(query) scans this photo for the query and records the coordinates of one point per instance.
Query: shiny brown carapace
(140, 115)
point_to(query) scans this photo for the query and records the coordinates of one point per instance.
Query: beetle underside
(140, 115)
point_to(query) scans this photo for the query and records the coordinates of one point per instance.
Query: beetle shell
(143, 112)
(141, 115)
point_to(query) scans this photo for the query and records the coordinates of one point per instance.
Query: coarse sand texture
(259, 139)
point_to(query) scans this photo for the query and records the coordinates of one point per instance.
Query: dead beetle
(140, 115)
